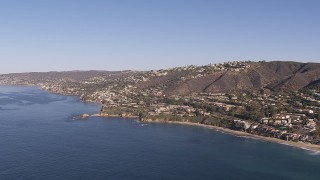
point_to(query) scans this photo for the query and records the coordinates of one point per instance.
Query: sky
(62, 35)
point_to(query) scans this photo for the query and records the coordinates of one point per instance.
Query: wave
(310, 151)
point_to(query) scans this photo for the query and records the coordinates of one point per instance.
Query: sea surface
(40, 140)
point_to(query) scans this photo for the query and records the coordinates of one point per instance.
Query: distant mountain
(55, 76)
(224, 77)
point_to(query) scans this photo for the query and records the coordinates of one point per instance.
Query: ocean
(39, 139)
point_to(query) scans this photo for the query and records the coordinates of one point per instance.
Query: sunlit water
(39, 140)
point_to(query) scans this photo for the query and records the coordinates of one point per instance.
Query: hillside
(273, 99)
(225, 77)
(273, 76)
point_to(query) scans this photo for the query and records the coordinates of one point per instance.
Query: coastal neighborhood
(283, 114)
(160, 90)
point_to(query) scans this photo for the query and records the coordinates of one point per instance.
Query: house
(226, 107)
(264, 120)
(242, 124)
(291, 136)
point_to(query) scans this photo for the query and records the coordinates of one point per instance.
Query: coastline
(109, 115)
(300, 145)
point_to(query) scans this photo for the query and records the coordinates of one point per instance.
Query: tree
(142, 115)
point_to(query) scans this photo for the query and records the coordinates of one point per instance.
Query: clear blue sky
(45, 35)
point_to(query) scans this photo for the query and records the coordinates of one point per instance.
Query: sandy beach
(301, 145)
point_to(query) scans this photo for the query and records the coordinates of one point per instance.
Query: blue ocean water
(39, 140)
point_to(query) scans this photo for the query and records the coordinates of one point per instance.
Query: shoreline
(109, 115)
(300, 145)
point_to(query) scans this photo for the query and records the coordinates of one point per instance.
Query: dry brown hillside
(274, 76)
(224, 77)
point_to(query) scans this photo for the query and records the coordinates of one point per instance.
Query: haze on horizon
(61, 35)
